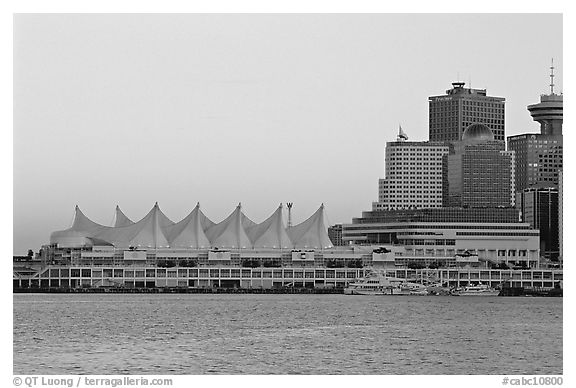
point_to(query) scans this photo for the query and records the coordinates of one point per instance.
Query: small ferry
(477, 290)
(379, 284)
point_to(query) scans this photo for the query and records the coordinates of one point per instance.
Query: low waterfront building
(198, 253)
(495, 235)
(140, 277)
(196, 241)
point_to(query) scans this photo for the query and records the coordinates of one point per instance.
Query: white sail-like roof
(196, 231)
(148, 232)
(311, 233)
(271, 233)
(121, 219)
(231, 232)
(78, 234)
(189, 233)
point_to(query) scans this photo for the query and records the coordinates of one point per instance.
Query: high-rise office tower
(560, 214)
(478, 172)
(539, 156)
(539, 208)
(413, 175)
(452, 113)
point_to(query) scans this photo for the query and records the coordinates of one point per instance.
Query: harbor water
(285, 334)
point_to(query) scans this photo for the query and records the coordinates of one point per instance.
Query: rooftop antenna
(289, 205)
(552, 77)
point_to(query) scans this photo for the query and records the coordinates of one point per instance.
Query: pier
(262, 280)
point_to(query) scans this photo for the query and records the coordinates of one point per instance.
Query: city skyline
(222, 109)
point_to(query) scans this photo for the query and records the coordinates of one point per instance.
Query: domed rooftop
(477, 133)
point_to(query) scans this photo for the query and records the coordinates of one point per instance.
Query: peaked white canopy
(148, 232)
(231, 232)
(189, 233)
(312, 233)
(271, 233)
(121, 219)
(79, 233)
(196, 231)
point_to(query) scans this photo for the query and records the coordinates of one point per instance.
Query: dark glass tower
(539, 207)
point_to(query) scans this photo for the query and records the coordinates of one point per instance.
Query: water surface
(285, 334)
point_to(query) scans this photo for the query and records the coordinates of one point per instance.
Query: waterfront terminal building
(237, 253)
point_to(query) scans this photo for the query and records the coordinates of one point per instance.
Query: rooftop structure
(195, 231)
(452, 113)
(539, 156)
(549, 112)
(446, 214)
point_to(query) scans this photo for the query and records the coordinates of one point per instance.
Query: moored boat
(476, 290)
(377, 283)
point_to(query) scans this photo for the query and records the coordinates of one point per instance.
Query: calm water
(285, 334)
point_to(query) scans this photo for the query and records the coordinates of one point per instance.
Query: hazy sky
(258, 109)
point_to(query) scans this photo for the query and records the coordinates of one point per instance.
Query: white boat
(438, 288)
(477, 290)
(377, 283)
(420, 291)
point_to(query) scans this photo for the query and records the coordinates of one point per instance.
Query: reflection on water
(285, 334)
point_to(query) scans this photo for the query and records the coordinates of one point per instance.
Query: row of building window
(439, 226)
(203, 273)
(522, 234)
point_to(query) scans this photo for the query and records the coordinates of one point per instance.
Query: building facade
(478, 172)
(549, 113)
(460, 107)
(413, 176)
(494, 235)
(560, 214)
(335, 234)
(539, 207)
(538, 159)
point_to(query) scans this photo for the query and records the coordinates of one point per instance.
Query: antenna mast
(289, 205)
(552, 77)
